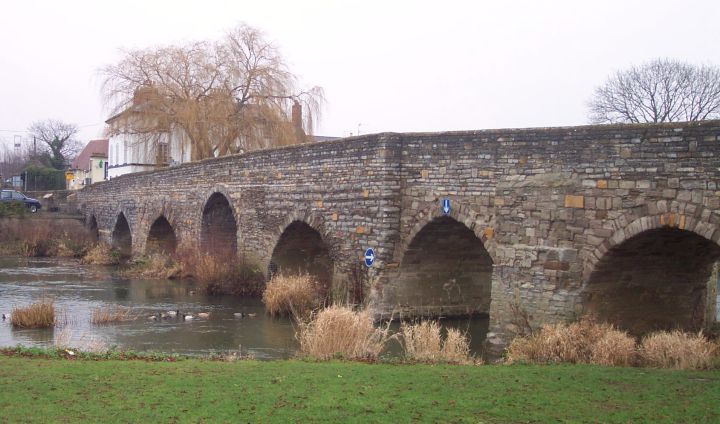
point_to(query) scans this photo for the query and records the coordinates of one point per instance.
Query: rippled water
(78, 289)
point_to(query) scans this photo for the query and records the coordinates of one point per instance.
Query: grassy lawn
(51, 390)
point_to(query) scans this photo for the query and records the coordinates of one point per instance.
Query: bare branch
(659, 91)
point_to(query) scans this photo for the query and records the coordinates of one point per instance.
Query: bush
(37, 315)
(422, 342)
(340, 332)
(12, 209)
(291, 295)
(584, 342)
(675, 349)
(101, 254)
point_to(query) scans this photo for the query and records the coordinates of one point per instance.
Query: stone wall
(546, 204)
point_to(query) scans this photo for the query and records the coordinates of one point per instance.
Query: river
(78, 289)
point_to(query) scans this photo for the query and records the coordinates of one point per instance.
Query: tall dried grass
(585, 342)
(44, 238)
(291, 295)
(340, 332)
(101, 254)
(220, 274)
(157, 265)
(111, 315)
(678, 350)
(36, 315)
(422, 342)
(65, 339)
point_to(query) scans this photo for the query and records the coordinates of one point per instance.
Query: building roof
(95, 148)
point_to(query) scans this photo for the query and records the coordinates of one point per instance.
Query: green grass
(58, 390)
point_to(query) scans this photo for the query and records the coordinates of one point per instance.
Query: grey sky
(387, 65)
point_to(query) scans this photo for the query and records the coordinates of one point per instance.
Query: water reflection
(78, 289)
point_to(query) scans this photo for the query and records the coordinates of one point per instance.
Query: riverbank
(51, 390)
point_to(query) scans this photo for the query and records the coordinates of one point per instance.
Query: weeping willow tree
(229, 96)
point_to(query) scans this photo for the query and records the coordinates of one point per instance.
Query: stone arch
(479, 224)
(218, 226)
(446, 270)
(656, 272)
(301, 246)
(161, 237)
(152, 212)
(122, 236)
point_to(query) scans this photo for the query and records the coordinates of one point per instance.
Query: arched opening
(93, 229)
(161, 238)
(445, 271)
(218, 234)
(121, 236)
(659, 279)
(301, 250)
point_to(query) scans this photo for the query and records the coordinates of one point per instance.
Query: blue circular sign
(369, 257)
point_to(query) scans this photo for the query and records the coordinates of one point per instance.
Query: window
(6, 195)
(17, 196)
(162, 153)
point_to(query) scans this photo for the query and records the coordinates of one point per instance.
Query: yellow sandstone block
(360, 230)
(425, 173)
(602, 184)
(574, 201)
(488, 233)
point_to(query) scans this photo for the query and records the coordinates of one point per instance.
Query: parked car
(15, 196)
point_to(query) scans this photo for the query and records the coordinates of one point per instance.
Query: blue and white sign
(369, 257)
(446, 206)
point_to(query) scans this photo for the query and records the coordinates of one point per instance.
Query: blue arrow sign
(446, 206)
(369, 257)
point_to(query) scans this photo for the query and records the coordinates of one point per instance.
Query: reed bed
(340, 332)
(296, 295)
(101, 254)
(583, 342)
(36, 315)
(111, 315)
(678, 350)
(422, 342)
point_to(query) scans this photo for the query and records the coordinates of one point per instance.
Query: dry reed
(291, 295)
(422, 342)
(584, 342)
(678, 350)
(111, 315)
(101, 254)
(36, 315)
(63, 339)
(340, 332)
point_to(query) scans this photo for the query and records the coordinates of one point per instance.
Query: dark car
(15, 196)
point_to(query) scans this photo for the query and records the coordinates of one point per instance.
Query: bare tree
(58, 140)
(659, 91)
(229, 96)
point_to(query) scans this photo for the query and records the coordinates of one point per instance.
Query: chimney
(297, 121)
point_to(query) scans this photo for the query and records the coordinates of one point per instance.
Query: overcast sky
(384, 65)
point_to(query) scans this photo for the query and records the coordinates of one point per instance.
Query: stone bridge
(545, 224)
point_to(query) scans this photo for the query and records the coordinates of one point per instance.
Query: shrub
(157, 265)
(675, 349)
(101, 254)
(422, 342)
(291, 295)
(12, 209)
(585, 342)
(38, 240)
(37, 315)
(339, 331)
(111, 315)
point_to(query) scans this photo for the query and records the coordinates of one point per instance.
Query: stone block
(572, 201)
